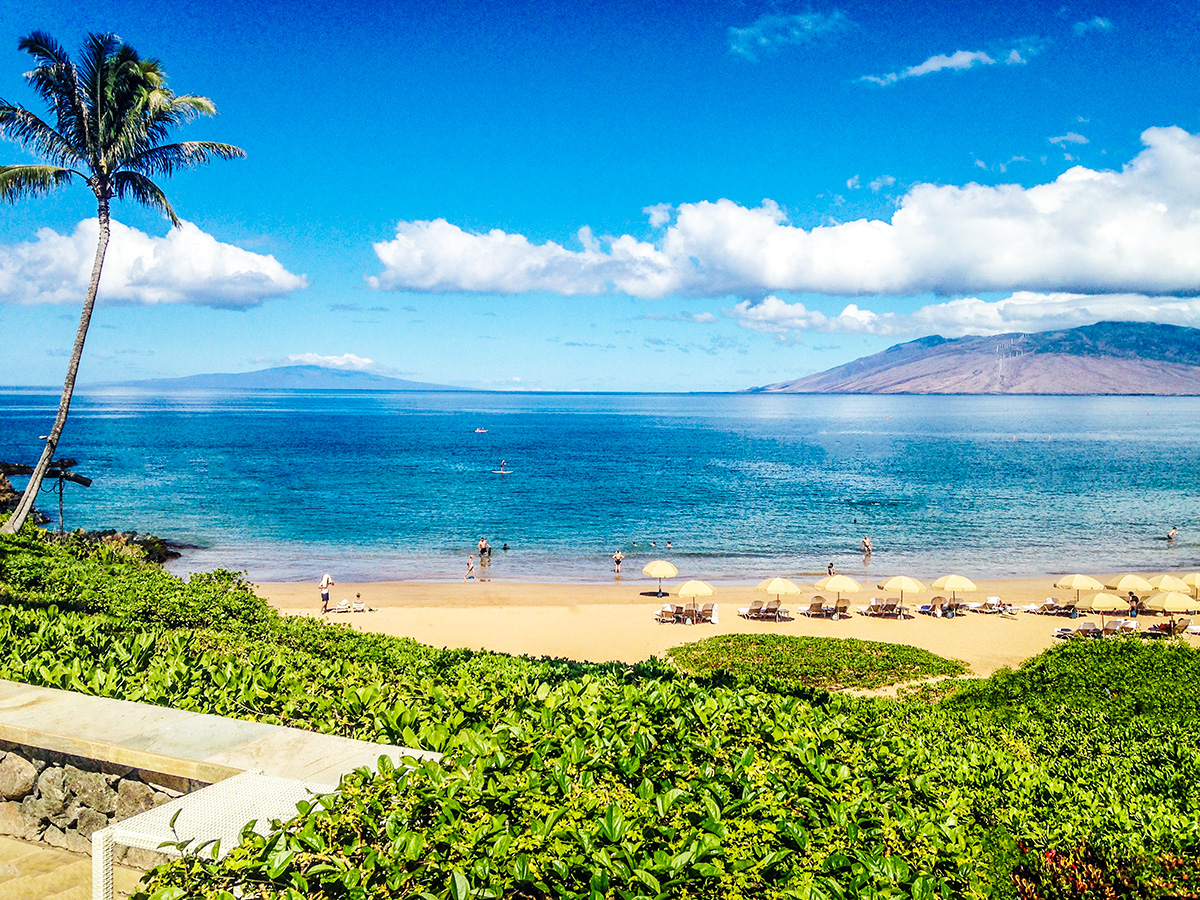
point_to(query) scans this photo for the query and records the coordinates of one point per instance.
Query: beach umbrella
(1126, 583)
(1104, 603)
(840, 584)
(954, 584)
(778, 587)
(1168, 583)
(1171, 602)
(1078, 583)
(694, 589)
(1192, 580)
(902, 583)
(660, 569)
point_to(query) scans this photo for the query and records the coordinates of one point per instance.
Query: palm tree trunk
(17, 519)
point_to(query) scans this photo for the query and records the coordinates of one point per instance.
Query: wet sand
(600, 623)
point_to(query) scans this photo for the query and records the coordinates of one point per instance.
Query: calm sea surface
(287, 485)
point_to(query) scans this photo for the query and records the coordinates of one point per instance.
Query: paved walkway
(175, 742)
(39, 872)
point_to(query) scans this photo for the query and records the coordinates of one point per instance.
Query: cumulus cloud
(185, 266)
(1097, 23)
(1020, 312)
(769, 32)
(1070, 137)
(347, 361)
(1088, 231)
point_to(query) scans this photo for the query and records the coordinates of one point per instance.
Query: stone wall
(61, 800)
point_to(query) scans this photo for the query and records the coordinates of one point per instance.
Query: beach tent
(954, 584)
(659, 569)
(1078, 583)
(902, 583)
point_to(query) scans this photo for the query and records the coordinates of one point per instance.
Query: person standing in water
(867, 547)
(617, 557)
(1172, 534)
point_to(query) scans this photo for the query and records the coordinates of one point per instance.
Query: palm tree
(112, 111)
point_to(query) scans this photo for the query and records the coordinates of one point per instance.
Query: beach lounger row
(759, 610)
(688, 613)
(820, 608)
(883, 608)
(943, 607)
(1168, 629)
(1112, 628)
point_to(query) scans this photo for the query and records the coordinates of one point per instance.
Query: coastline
(615, 621)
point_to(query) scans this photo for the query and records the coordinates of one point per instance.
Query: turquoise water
(287, 485)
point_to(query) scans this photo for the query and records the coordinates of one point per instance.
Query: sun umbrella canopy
(1078, 583)
(842, 584)
(1135, 583)
(954, 583)
(777, 586)
(695, 589)
(1171, 602)
(902, 583)
(659, 568)
(1103, 602)
(1168, 583)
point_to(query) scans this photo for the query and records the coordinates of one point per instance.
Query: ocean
(381, 486)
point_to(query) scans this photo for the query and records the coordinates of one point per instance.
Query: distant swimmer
(1173, 533)
(668, 545)
(867, 547)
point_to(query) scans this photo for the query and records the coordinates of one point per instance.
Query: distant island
(285, 378)
(1105, 358)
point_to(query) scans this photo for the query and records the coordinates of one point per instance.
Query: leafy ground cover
(1074, 776)
(786, 664)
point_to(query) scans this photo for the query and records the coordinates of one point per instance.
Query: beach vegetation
(1075, 775)
(786, 664)
(111, 116)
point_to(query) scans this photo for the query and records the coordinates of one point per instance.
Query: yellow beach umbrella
(777, 586)
(1168, 583)
(954, 584)
(1192, 581)
(1135, 583)
(839, 584)
(902, 583)
(1171, 602)
(1104, 603)
(1078, 583)
(694, 589)
(660, 569)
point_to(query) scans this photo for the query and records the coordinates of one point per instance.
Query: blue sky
(621, 196)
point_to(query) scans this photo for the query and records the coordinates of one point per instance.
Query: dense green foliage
(787, 665)
(1074, 776)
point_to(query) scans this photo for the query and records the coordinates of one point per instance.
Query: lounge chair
(990, 605)
(771, 610)
(708, 613)
(668, 613)
(343, 606)
(841, 609)
(358, 606)
(1086, 630)
(955, 607)
(752, 611)
(1067, 609)
(872, 608)
(1129, 626)
(1168, 629)
(1045, 608)
(933, 607)
(817, 609)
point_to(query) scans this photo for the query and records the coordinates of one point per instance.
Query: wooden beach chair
(816, 609)
(771, 610)
(752, 611)
(668, 613)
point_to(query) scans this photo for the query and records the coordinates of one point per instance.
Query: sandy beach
(616, 621)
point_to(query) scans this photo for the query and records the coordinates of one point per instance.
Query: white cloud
(1021, 312)
(853, 183)
(1088, 231)
(1095, 24)
(881, 182)
(960, 59)
(770, 32)
(1070, 137)
(347, 361)
(185, 266)
(659, 214)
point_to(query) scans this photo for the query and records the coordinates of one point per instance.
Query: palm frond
(167, 158)
(28, 181)
(145, 192)
(25, 128)
(45, 49)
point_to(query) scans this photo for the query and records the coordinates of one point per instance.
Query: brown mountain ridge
(1104, 358)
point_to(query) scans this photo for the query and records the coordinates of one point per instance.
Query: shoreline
(615, 621)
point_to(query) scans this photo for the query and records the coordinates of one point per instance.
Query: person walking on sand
(617, 557)
(325, 585)
(469, 575)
